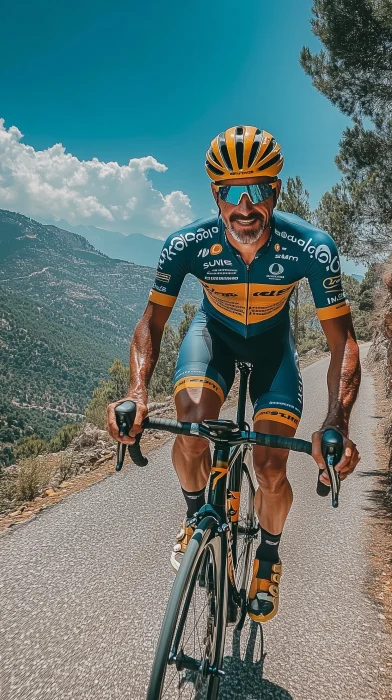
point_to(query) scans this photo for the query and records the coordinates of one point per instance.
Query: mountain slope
(66, 312)
(135, 247)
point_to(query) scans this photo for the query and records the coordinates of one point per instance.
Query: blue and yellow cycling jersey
(250, 299)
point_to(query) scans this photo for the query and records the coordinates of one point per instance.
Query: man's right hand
(141, 414)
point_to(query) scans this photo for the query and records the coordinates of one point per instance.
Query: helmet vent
(269, 148)
(272, 161)
(213, 157)
(213, 169)
(239, 151)
(240, 130)
(224, 152)
(255, 148)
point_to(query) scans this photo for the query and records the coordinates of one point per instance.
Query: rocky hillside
(67, 311)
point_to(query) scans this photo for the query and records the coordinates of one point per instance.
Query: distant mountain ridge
(66, 312)
(134, 247)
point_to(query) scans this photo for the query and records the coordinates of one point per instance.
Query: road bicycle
(210, 588)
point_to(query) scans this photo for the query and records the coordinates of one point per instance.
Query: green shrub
(63, 438)
(33, 476)
(29, 447)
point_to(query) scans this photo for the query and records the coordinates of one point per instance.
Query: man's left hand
(347, 464)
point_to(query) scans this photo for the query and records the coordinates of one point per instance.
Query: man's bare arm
(344, 373)
(144, 353)
(344, 378)
(145, 347)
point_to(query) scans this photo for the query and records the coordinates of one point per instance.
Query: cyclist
(248, 259)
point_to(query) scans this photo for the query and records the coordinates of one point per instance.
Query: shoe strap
(268, 570)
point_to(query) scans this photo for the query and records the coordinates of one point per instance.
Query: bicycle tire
(203, 543)
(245, 523)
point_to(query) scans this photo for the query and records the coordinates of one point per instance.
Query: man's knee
(192, 446)
(270, 468)
(193, 406)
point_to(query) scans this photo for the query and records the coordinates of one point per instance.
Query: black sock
(194, 501)
(268, 547)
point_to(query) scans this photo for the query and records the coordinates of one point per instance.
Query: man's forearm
(144, 353)
(344, 378)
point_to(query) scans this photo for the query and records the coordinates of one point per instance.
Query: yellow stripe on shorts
(280, 415)
(198, 382)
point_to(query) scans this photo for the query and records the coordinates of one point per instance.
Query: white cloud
(53, 183)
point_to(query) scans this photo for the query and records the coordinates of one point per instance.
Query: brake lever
(125, 416)
(332, 449)
(121, 449)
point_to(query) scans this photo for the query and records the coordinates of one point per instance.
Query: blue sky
(121, 80)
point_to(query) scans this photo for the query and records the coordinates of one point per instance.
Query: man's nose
(245, 205)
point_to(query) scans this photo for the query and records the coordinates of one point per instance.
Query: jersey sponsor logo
(216, 249)
(332, 282)
(277, 247)
(159, 288)
(217, 263)
(284, 256)
(176, 245)
(321, 253)
(276, 269)
(202, 234)
(181, 241)
(335, 299)
(212, 290)
(273, 292)
(163, 276)
(203, 252)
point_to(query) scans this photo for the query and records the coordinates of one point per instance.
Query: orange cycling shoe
(263, 599)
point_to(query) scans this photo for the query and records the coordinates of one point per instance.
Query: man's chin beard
(245, 239)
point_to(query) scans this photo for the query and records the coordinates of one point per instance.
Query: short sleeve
(171, 270)
(325, 279)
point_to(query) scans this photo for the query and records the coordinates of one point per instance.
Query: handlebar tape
(136, 454)
(284, 443)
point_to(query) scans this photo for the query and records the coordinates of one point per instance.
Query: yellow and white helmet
(241, 152)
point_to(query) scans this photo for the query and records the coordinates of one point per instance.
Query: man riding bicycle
(248, 259)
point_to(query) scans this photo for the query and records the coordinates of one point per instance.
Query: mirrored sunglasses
(257, 193)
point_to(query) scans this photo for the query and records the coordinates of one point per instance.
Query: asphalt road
(84, 586)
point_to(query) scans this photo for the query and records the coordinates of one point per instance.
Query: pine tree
(353, 70)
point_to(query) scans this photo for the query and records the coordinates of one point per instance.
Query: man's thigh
(276, 389)
(204, 372)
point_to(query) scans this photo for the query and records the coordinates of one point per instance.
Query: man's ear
(214, 192)
(277, 191)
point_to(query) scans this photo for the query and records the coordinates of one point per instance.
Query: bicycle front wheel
(243, 521)
(189, 653)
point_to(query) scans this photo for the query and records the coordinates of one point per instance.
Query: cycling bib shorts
(207, 360)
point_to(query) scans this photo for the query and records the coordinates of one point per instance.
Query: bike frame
(224, 455)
